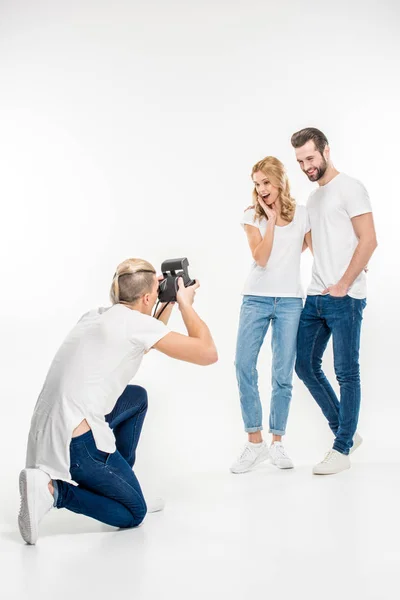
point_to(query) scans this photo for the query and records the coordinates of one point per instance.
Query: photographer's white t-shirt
(281, 276)
(90, 371)
(331, 208)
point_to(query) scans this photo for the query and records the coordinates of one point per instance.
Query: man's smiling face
(311, 161)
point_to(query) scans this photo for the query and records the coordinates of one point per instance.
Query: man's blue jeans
(322, 317)
(108, 489)
(256, 314)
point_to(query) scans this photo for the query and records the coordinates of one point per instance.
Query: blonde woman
(277, 232)
(87, 420)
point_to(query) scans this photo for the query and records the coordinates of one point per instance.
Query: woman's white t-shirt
(90, 371)
(281, 276)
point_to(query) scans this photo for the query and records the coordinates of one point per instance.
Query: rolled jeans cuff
(338, 449)
(277, 431)
(253, 429)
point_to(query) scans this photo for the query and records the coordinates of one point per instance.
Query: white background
(130, 129)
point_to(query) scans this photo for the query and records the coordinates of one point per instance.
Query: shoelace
(244, 453)
(280, 450)
(329, 456)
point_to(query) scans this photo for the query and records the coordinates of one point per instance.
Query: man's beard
(320, 171)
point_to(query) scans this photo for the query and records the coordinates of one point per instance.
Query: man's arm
(307, 243)
(198, 346)
(365, 231)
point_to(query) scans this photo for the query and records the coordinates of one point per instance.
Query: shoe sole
(26, 524)
(333, 472)
(258, 460)
(291, 466)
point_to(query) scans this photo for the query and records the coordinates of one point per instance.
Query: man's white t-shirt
(90, 371)
(331, 208)
(281, 276)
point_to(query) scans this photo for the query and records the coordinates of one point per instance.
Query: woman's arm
(260, 248)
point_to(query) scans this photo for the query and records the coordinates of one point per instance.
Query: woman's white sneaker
(36, 501)
(278, 456)
(334, 462)
(251, 456)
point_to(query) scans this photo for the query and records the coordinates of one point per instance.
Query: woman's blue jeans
(256, 314)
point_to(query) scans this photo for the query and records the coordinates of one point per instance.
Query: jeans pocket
(338, 297)
(97, 456)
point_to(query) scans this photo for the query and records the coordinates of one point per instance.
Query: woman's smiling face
(264, 188)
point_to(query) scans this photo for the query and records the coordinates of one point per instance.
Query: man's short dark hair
(310, 133)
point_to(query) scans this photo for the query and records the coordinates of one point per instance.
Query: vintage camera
(172, 269)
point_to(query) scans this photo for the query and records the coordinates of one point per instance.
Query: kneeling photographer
(87, 420)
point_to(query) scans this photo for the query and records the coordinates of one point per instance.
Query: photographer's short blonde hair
(133, 279)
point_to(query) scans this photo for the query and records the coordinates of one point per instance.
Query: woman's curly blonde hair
(275, 171)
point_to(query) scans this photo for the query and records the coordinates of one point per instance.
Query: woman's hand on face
(270, 211)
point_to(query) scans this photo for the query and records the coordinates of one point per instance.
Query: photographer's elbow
(209, 358)
(213, 357)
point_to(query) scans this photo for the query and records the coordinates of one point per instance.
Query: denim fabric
(256, 314)
(107, 486)
(322, 317)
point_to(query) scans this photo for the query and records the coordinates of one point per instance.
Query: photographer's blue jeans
(322, 317)
(108, 489)
(256, 314)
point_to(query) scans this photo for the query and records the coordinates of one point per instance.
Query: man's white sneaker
(334, 462)
(251, 456)
(357, 441)
(36, 501)
(278, 456)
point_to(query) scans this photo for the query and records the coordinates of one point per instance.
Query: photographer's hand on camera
(185, 295)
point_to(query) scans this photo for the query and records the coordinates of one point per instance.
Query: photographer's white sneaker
(251, 456)
(155, 505)
(36, 501)
(334, 462)
(279, 457)
(357, 441)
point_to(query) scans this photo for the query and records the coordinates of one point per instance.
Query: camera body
(172, 269)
